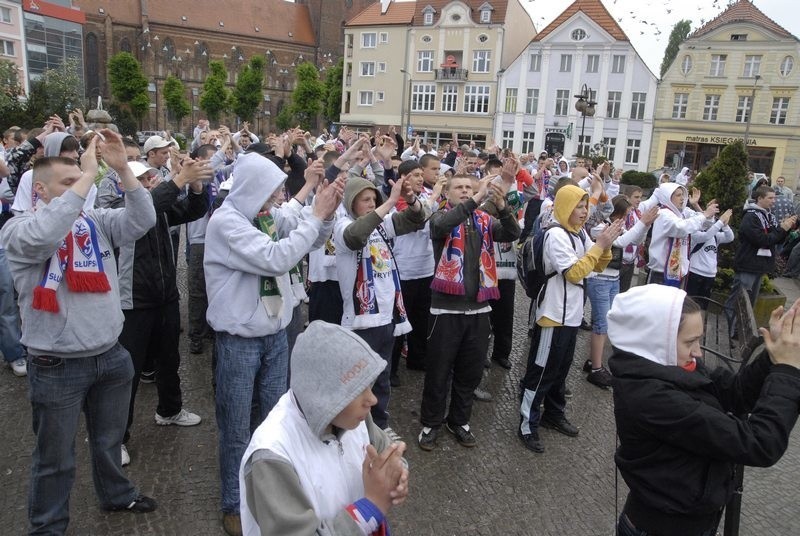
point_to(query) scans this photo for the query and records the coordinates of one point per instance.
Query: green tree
(283, 120)
(12, 111)
(129, 84)
(333, 92)
(215, 97)
(63, 87)
(725, 179)
(308, 95)
(248, 95)
(176, 101)
(678, 35)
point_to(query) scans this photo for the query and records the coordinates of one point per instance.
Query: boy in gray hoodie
(61, 258)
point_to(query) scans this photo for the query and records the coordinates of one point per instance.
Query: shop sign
(720, 140)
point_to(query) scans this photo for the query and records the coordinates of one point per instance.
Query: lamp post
(406, 103)
(586, 106)
(750, 112)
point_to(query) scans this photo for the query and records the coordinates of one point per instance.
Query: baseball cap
(156, 142)
(140, 169)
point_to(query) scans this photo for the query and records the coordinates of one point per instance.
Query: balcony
(451, 74)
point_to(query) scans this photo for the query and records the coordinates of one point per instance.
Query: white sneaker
(183, 418)
(126, 458)
(20, 367)
(394, 437)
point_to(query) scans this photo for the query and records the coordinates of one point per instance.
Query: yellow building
(431, 66)
(737, 75)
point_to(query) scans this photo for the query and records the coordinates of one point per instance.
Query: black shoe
(531, 441)
(503, 362)
(481, 396)
(586, 326)
(196, 346)
(394, 380)
(140, 505)
(567, 392)
(587, 365)
(147, 376)
(463, 436)
(601, 378)
(561, 425)
(428, 441)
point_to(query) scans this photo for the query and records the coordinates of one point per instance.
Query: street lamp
(750, 112)
(586, 106)
(407, 103)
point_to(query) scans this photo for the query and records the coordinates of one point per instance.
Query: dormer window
(738, 37)
(427, 15)
(578, 34)
(486, 13)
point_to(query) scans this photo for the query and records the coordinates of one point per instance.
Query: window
(566, 63)
(592, 63)
(686, 64)
(384, 38)
(752, 66)
(743, 109)
(367, 68)
(679, 105)
(5, 14)
(584, 142)
(532, 101)
(718, 65)
(381, 66)
(511, 100)
(611, 147)
(6, 48)
(618, 64)
(578, 35)
(527, 142)
(449, 98)
(365, 98)
(482, 38)
(426, 39)
(508, 139)
(786, 65)
(535, 63)
(780, 106)
(380, 96)
(481, 61)
(711, 108)
(637, 105)
(423, 97)
(614, 102)
(368, 40)
(425, 61)
(476, 99)
(486, 16)
(562, 101)
(738, 37)
(427, 18)
(632, 151)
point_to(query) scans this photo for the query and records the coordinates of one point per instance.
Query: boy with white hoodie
(249, 252)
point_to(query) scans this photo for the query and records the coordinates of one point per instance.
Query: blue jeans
(250, 372)
(601, 292)
(9, 317)
(381, 340)
(752, 284)
(59, 390)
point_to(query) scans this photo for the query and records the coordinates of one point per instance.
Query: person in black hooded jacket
(679, 425)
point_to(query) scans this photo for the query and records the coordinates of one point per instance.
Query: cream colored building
(706, 97)
(431, 66)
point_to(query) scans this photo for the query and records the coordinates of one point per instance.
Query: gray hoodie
(237, 253)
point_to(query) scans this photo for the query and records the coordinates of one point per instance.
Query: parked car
(142, 136)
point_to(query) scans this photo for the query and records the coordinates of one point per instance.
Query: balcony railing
(452, 74)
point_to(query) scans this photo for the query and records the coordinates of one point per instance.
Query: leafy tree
(175, 99)
(215, 97)
(333, 92)
(123, 118)
(678, 35)
(12, 111)
(129, 84)
(283, 120)
(645, 181)
(248, 95)
(725, 180)
(63, 87)
(308, 95)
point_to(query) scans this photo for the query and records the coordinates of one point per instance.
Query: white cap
(140, 169)
(156, 142)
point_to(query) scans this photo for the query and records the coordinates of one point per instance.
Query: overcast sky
(643, 20)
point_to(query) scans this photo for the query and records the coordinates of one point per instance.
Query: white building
(583, 46)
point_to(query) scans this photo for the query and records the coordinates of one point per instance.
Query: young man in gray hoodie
(63, 266)
(250, 249)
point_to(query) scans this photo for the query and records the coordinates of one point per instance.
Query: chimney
(385, 6)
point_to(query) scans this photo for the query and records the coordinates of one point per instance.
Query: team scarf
(365, 299)
(449, 276)
(630, 220)
(78, 260)
(673, 276)
(268, 286)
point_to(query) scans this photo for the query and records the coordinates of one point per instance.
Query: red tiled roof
(498, 12)
(742, 11)
(595, 10)
(398, 13)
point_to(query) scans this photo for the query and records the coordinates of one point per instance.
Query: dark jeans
(59, 390)
(457, 346)
(625, 277)
(155, 332)
(502, 319)
(657, 278)
(325, 302)
(381, 340)
(549, 359)
(531, 213)
(198, 299)
(417, 299)
(699, 285)
(626, 528)
(752, 284)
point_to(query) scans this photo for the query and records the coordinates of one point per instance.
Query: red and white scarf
(78, 259)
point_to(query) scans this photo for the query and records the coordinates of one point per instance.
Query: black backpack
(530, 261)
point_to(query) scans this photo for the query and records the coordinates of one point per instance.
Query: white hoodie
(673, 222)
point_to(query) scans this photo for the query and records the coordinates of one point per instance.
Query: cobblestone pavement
(496, 488)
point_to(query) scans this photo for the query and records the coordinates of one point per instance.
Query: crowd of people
(404, 254)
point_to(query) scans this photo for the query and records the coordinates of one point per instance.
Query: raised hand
(782, 339)
(89, 163)
(328, 198)
(712, 209)
(193, 173)
(510, 170)
(650, 215)
(609, 234)
(113, 150)
(726, 216)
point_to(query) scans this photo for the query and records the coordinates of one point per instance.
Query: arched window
(168, 49)
(125, 45)
(201, 52)
(92, 65)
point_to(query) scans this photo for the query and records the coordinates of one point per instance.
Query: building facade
(12, 41)
(431, 67)
(53, 33)
(583, 52)
(738, 74)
